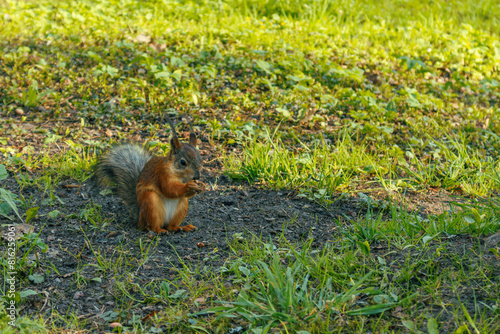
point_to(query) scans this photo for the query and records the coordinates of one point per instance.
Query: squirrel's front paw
(194, 187)
(201, 185)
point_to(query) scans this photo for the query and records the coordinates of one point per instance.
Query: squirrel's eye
(183, 162)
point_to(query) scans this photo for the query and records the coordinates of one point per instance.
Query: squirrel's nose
(196, 176)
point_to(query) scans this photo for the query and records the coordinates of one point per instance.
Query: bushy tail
(121, 166)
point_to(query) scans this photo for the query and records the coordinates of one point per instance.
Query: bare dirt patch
(70, 265)
(75, 244)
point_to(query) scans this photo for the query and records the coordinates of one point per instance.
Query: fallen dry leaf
(141, 38)
(149, 316)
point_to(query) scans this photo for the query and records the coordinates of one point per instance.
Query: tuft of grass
(321, 170)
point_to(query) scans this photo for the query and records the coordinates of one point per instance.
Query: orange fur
(178, 217)
(151, 211)
(156, 184)
(156, 189)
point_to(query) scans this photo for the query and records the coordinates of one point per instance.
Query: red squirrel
(156, 188)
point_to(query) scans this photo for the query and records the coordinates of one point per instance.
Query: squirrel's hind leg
(151, 211)
(180, 213)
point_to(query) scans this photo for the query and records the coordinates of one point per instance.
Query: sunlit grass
(320, 171)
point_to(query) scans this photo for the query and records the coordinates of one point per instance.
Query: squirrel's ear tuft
(192, 139)
(192, 135)
(176, 144)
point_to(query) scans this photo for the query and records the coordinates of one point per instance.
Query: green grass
(323, 170)
(330, 98)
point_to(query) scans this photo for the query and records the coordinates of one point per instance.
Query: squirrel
(155, 188)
